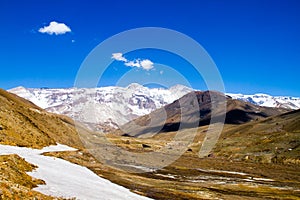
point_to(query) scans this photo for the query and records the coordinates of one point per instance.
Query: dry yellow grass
(24, 124)
(14, 182)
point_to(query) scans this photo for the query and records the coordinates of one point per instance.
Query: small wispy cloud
(55, 28)
(145, 64)
(119, 57)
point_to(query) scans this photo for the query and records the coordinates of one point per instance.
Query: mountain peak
(262, 95)
(134, 86)
(180, 87)
(17, 89)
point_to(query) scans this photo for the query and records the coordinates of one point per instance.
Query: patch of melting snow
(263, 179)
(222, 171)
(68, 180)
(249, 178)
(205, 181)
(222, 180)
(139, 167)
(167, 175)
(212, 179)
(35, 110)
(197, 181)
(255, 179)
(256, 185)
(57, 148)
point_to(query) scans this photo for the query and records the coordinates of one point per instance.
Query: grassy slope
(24, 124)
(275, 139)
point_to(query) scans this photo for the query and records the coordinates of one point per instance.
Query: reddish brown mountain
(195, 109)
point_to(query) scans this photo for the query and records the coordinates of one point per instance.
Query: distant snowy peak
(180, 89)
(112, 106)
(42, 97)
(269, 101)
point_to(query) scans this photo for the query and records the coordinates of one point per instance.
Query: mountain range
(269, 101)
(112, 106)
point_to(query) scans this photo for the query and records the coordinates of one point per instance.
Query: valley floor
(190, 177)
(187, 178)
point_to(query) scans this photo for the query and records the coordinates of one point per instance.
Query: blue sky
(255, 44)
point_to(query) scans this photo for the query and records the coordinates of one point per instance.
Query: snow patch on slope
(68, 180)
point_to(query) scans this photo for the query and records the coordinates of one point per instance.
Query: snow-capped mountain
(115, 106)
(269, 101)
(112, 106)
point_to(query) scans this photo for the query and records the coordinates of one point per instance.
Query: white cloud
(146, 64)
(135, 63)
(161, 72)
(55, 28)
(119, 57)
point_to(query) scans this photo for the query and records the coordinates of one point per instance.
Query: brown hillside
(274, 139)
(25, 124)
(196, 109)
